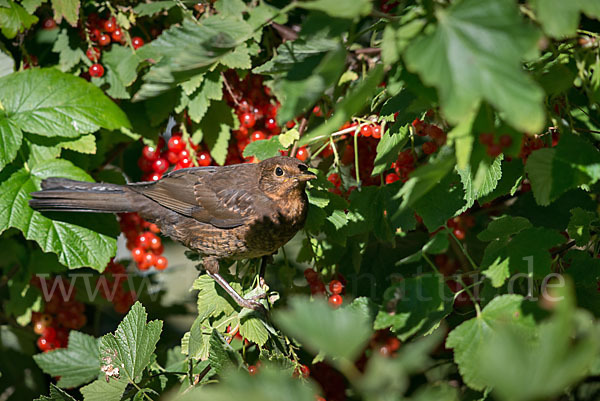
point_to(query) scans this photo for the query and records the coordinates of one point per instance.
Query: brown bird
(235, 212)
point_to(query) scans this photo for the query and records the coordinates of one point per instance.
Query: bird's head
(281, 175)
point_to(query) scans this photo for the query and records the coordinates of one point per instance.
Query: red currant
(161, 263)
(176, 144)
(458, 233)
(271, 124)
(494, 150)
(137, 42)
(336, 286)
(184, 162)
(160, 165)
(252, 370)
(96, 70)
(317, 111)
(150, 259)
(505, 141)
(110, 25)
(391, 177)
(377, 131)
(366, 130)
(93, 53)
(104, 40)
(258, 135)
(204, 158)
(429, 148)
(117, 35)
(150, 153)
(302, 153)
(48, 24)
(335, 179)
(248, 120)
(138, 254)
(335, 300)
(486, 139)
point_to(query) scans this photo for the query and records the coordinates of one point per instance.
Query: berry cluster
(437, 135)
(102, 32)
(177, 152)
(495, 148)
(403, 166)
(460, 225)
(114, 275)
(61, 314)
(533, 143)
(317, 287)
(146, 247)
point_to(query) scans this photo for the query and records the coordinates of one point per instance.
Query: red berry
(377, 131)
(184, 162)
(429, 148)
(366, 130)
(176, 144)
(110, 25)
(117, 35)
(150, 153)
(458, 233)
(258, 135)
(406, 158)
(335, 300)
(271, 124)
(96, 70)
(150, 259)
(49, 333)
(248, 120)
(290, 124)
(48, 24)
(302, 153)
(93, 53)
(505, 141)
(391, 177)
(161, 263)
(138, 254)
(172, 157)
(204, 158)
(317, 111)
(160, 165)
(304, 371)
(419, 127)
(137, 42)
(335, 179)
(104, 40)
(336, 287)
(38, 327)
(494, 150)
(252, 370)
(95, 34)
(311, 275)
(43, 344)
(486, 139)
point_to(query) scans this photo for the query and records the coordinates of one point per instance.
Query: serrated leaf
(238, 58)
(252, 327)
(503, 227)
(210, 90)
(469, 338)
(77, 364)
(416, 305)
(288, 138)
(195, 340)
(146, 9)
(132, 345)
(305, 321)
(68, 57)
(573, 162)
(75, 245)
(11, 137)
(579, 225)
(83, 144)
(15, 19)
(52, 103)
(290, 53)
(121, 64)
(68, 9)
(216, 129)
(457, 58)
(212, 299)
(56, 394)
(392, 141)
(7, 63)
(482, 182)
(101, 390)
(435, 213)
(31, 5)
(351, 9)
(561, 18)
(264, 148)
(221, 356)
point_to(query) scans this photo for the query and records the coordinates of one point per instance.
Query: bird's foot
(249, 303)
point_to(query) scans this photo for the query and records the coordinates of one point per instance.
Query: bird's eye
(279, 171)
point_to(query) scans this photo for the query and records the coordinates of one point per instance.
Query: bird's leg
(212, 269)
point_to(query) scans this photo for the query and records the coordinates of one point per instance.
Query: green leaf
(573, 162)
(289, 53)
(212, 299)
(83, 144)
(75, 245)
(352, 9)
(146, 9)
(68, 9)
(76, 365)
(52, 103)
(7, 63)
(56, 394)
(102, 390)
(210, 90)
(470, 337)
(121, 64)
(482, 182)
(354, 101)
(264, 148)
(196, 344)
(130, 348)
(68, 57)
(222, 356)
(426, 177)
(469, 60)
(414, 306)
(512, 173)
(11, 137)
(435, 213)
(503, 227)
(252, 327)
(301, 90)
(579, 225)
(392, 141)
(15, 19)
(216, 128)
(305, 321)
(561, 18)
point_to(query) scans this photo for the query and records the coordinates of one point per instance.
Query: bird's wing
(223, 197)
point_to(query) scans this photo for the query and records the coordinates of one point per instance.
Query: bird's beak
(306, 176)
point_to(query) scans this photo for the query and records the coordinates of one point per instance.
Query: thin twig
(301, 130)
(368, 50)
(233, 96)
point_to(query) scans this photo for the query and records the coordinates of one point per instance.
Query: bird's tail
(61, 194)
